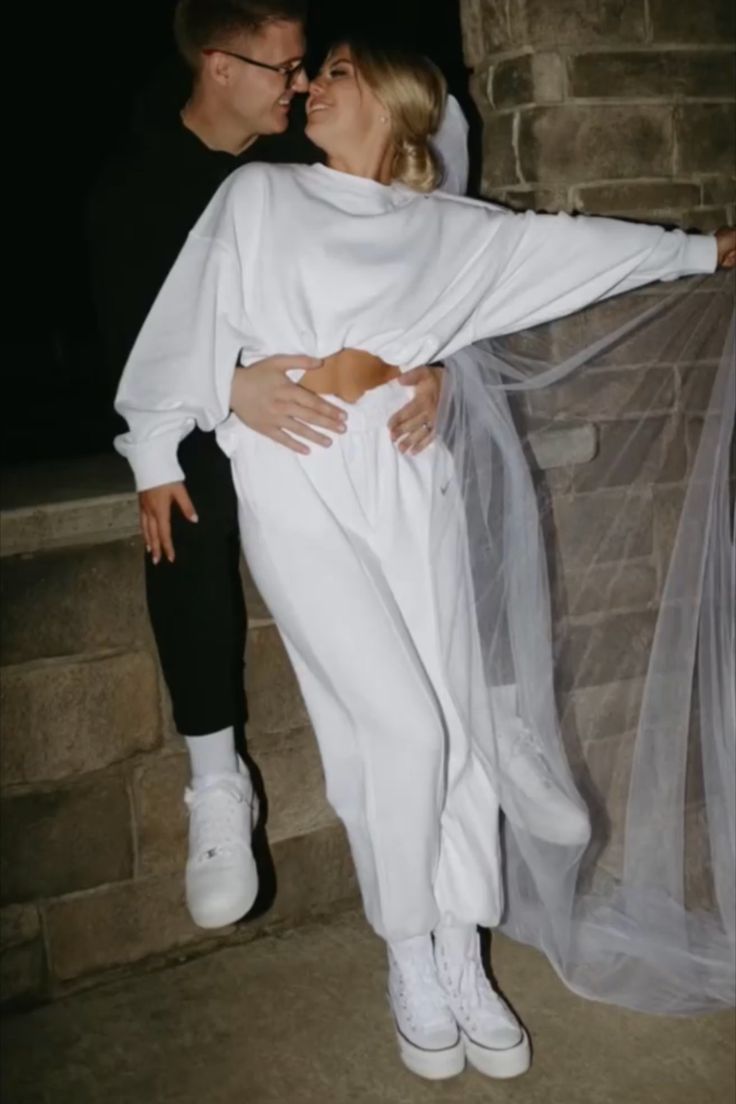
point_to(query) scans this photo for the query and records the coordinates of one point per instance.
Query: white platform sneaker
(495, 1042)
(221, 875)
(430, 1043)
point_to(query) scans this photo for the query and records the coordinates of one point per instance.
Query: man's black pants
(196, 604)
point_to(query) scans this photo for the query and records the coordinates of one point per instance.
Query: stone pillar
(625, 108)
(619, 107)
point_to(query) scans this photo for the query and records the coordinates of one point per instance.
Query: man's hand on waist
(266, 400)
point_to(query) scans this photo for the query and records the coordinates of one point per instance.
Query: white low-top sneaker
(495, 1042)
(430, 1043)
(221, 875)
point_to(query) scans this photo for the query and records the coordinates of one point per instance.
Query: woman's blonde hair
(413, 91)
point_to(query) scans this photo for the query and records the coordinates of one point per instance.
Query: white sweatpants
(338, 545)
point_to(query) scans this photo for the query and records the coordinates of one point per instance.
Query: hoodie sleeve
(181, 366)
(535, 268)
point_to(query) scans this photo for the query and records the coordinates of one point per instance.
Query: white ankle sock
(211, 756)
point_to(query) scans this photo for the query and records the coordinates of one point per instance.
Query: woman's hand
(155, 516)
(413, 427)
(726, 242)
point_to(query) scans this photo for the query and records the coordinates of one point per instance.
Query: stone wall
(624, 108)
(607, 106)
(93, 822)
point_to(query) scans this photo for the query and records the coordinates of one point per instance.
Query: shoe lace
(420, 992)
(216, 814)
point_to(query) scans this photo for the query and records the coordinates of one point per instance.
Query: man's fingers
(311, 408)
(289, 442)
(301, 429)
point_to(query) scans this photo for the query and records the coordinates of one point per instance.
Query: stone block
(96, 594)
(499, 159)
(606, 647)
(290, 767)
(652, 74)
(574, 143)
(599, 588)
(650, 450)
(23, 972)
(608, 764)
(718, 190)
(545, 200)
(133, 921)
(254, 604)
(705, 138)
(667, 508)
(67, 839)
(562, 446)
(293, 779)
(274, 700)
(714, 22)
(64, 718)
(629, 197)
(577, 22)
(602, 394)
(607, 710)
(695, 385)
(549, 77)
(598, 528)
(511, 82)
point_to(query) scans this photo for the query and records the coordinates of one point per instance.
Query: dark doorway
(94, 68)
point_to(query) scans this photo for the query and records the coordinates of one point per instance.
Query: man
(247, 64)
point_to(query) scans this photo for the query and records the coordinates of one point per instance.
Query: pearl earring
(384, 118)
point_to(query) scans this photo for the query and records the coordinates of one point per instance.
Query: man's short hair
(202, 23)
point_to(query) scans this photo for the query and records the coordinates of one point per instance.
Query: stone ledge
(38, 517)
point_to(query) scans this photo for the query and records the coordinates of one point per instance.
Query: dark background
(76, 78)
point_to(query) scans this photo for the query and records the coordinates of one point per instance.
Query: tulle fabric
(605, 590)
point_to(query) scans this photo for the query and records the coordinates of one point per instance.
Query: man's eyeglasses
(288, 72)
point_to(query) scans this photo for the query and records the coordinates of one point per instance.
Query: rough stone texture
(22, 954)
(292, 776)
(580, 142)
(706, 138)
(682, 22)
(66, 839)
(592, 650)
(63, 718)
(127, 923)
(578, 22)
(150, 1039)
(596, 394)
(294, 783)
(655, 197)
(96, 594)
(603, 587)
(274, 700)
(499, 161)
(589, 530)
(695, 387)
(659, 75)
(607, 710)
(651, 450)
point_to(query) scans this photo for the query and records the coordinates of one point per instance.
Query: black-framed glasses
(288, 72)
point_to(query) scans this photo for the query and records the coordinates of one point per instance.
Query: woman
(419, 746)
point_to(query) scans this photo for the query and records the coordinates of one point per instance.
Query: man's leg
(198, 616)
